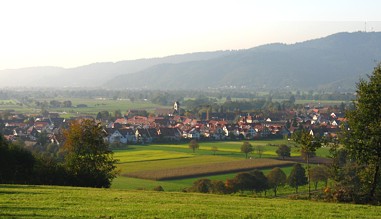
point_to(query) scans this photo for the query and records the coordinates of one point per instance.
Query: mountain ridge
(332, 62)
(91, 75)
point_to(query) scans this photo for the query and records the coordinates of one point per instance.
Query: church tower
(176, 108)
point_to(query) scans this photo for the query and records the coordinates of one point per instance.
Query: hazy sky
(69, 33)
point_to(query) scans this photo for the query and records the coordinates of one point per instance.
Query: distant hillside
(333, 62)
(93, 75)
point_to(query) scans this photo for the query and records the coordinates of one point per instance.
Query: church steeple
(176, 108)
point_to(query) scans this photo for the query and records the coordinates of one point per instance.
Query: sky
(71, 33)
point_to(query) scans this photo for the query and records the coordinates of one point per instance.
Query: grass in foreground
(62, 202)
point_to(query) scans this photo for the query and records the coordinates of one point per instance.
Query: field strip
(208, 169)
(148, 155)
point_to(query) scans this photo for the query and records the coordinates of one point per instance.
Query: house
(123, 136)
(217, 133)
(248, 132)
(169, 134)
(43, 126)
(114, 136)
(285, 132)
(32, 133)
(194, 133)
(164, 111)
(232, 131)
(146, 135)
(122, 121)
(265, 132)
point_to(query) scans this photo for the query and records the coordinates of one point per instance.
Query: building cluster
(172, 127)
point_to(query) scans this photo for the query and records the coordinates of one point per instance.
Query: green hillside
(333, 62)
(63, 202)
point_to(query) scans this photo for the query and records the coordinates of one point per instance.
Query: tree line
(256, 181)
(83, 160)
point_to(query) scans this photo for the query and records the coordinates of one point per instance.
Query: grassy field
(69, 202)
(208, 169)
(93, 106)
(146, 155)
(179, 184)
(157, 161)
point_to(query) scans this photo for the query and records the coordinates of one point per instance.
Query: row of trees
(257, 181)
(84, 160)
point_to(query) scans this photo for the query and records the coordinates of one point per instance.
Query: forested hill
(335, 61)
(93, 75)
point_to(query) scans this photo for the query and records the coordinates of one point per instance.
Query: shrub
(158, 189)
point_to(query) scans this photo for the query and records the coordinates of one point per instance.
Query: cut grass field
(169, 161)
(93, 106)
(68, 202)
(146, 155)
(179, 184)
(208, 169)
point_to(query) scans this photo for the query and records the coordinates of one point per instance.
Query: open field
(176, 185)
(146, 155)
(172, 163)
(177, 160)
(93, 106)
(208, 169)
(63, 202)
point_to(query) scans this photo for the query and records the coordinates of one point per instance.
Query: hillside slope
(93, 75)
(68, 202)
(336, 61)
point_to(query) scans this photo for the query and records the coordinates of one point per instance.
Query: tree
(259, 149)
(283, 151)
(292, 99)
(307, 155)
(260, 181)
(246, 148)
(297, 177)
(319, 173)
(201, 185)
(158, 188)
(88, 158)
(362, 137)
(16, 163)
(214, 149)
(193, 144)
(244, 182)
(276, 177)
(308, 144)
(248, 181)
(103, 115)
(217, 187)
(118, 114)
(67, 104)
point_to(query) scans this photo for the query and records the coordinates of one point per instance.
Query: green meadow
(155, 160)
(18, 201)
(93, 106)
(131, 197)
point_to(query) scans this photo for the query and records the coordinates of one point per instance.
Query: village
(169, 126)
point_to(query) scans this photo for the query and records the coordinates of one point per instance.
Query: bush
(217, 187)
(158, 189)
(201, 185)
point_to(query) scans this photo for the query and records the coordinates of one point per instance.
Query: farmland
(177, 167)
(202, 170)
(63, 202)
(93, 106)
